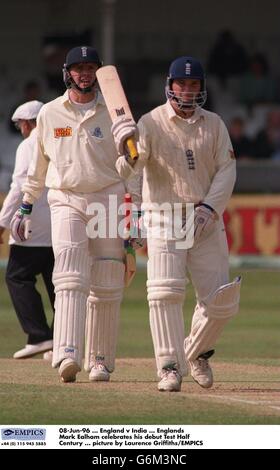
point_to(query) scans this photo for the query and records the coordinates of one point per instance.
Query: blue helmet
(78, 55)
(186, 67)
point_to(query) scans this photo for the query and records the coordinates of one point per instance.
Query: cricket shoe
(32, 349)
(170, 381)
(68, 370)
(99, 373)
(201, 371)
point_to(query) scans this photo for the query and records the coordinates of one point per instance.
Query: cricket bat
(115, 99)
(130, 258)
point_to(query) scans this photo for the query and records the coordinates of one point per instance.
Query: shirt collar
(172, 114)
(65, 98)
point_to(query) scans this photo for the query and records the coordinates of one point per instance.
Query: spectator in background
(29, 259)
(258, 86)
(242, 145)
(31, 92)
(227, 58)
(267, 141)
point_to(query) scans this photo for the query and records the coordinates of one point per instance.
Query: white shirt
(185, 160)
(40, 217)
(73, 152)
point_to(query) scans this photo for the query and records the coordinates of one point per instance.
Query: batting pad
(166, 278)
(71, 277)
(210, 318)
(103, 311)
(167, 328)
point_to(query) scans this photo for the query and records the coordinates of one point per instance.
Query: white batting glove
(204, 219)
(122, 129)
(21, 223)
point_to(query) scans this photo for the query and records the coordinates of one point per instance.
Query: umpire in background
(29, 259)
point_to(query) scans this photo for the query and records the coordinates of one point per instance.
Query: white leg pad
(103, 311)
(210, 318)
(71, 277)
(166, 278)
(166, 291)
(167, 328)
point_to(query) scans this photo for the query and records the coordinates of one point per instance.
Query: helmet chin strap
(70, 83)
(84, 91)
(184, 106)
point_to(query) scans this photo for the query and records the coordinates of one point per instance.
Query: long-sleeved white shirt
(75, 151)
(41, 223)
(185, 160)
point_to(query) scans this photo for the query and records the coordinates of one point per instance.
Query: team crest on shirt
(190, 159)
(62, 132)
(97, 132)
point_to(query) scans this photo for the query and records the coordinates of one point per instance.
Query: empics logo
(23, 434)
(8, 432)
(62, 132)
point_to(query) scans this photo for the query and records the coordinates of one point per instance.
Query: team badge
(190, 159)
(97, 132)
(188, 68)
(62, 132)
(84, 51)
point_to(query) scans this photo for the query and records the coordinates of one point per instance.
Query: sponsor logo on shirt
(190, 159)
(97, 132)
(62, 132)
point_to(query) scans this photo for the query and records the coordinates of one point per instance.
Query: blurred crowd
(246, 93)
(242, 88)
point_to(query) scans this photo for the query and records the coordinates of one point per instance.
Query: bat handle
(132, 149)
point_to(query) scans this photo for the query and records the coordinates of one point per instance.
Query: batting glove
(122, 129)
(21, 223)
(204, 219)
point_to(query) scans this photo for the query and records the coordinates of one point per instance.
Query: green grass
(31, 393)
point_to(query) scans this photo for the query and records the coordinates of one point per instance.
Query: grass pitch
(246, 370)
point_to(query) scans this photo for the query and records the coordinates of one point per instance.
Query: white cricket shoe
(99, 373)
(201, 371)
(68, 370)
(32, 349)
(170, 381)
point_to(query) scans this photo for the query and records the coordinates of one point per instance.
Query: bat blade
(115, 99)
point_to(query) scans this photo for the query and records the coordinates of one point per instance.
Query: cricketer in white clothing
(187, 157)
(35, 256)
(76, 158)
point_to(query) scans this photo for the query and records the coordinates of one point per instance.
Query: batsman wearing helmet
(188, 159)
(75, 157)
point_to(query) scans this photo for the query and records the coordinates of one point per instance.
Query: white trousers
(169, 268)
(75, 257)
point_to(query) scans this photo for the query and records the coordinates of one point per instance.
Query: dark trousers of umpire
(24, 264)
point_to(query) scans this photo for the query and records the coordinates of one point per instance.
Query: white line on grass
(242, 400)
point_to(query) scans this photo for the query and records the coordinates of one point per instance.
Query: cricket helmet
(181, 68)
(77, 55)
